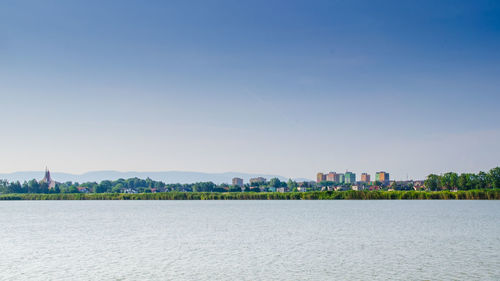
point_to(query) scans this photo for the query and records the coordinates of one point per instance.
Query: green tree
(481, 180)
(44, 187)
(465, 181)
(117, 188)
(326, 183)
(494, 176)
(34, 186)
(432, 182)
(449, 180)
(453, 180)
(292, 185)
(274, 182)
(394, 185)
(235, 188)
(101, 188)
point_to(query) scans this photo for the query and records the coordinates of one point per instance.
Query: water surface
(250, 240)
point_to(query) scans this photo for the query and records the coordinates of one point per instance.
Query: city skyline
(331, 176)
(287, 88)
(350, 177)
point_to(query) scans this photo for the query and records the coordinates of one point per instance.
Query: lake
(250, 240)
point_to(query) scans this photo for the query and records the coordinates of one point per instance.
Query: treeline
(483, 194)
(465, 181)
(135, 185)
(105, 186)
(32, 186)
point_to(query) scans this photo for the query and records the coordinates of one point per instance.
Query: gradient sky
(283, 87)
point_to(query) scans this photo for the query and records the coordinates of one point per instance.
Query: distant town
(331, 181)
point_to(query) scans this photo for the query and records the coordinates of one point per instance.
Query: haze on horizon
(272, 87)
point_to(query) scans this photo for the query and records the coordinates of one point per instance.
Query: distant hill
(167, 177)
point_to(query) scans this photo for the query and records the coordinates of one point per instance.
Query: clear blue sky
(284, 87)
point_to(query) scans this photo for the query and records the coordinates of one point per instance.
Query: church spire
(47, 178)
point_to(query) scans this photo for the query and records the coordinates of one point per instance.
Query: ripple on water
(250, 240)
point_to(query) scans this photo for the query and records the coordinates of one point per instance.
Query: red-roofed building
(82, 189)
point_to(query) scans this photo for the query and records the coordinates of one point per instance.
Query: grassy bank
(492, 194)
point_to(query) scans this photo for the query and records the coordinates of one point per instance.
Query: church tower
(50, 182)
(47, 178)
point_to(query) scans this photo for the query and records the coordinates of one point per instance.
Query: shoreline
(481, 194)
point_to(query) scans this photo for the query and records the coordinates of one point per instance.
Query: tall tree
(494, 176)
(292, 185)
(465, 181)
(432, 182)
(275, 182)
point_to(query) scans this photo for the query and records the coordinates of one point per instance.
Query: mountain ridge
(165, 176)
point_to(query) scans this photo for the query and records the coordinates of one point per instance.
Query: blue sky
(284, 87)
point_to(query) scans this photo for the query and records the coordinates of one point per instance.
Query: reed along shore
(482, 194)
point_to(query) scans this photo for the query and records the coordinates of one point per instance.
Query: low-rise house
(418, 185)
(82, 189)
(128, 190)
(301, 189)
(257, 180)
(282, 189)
